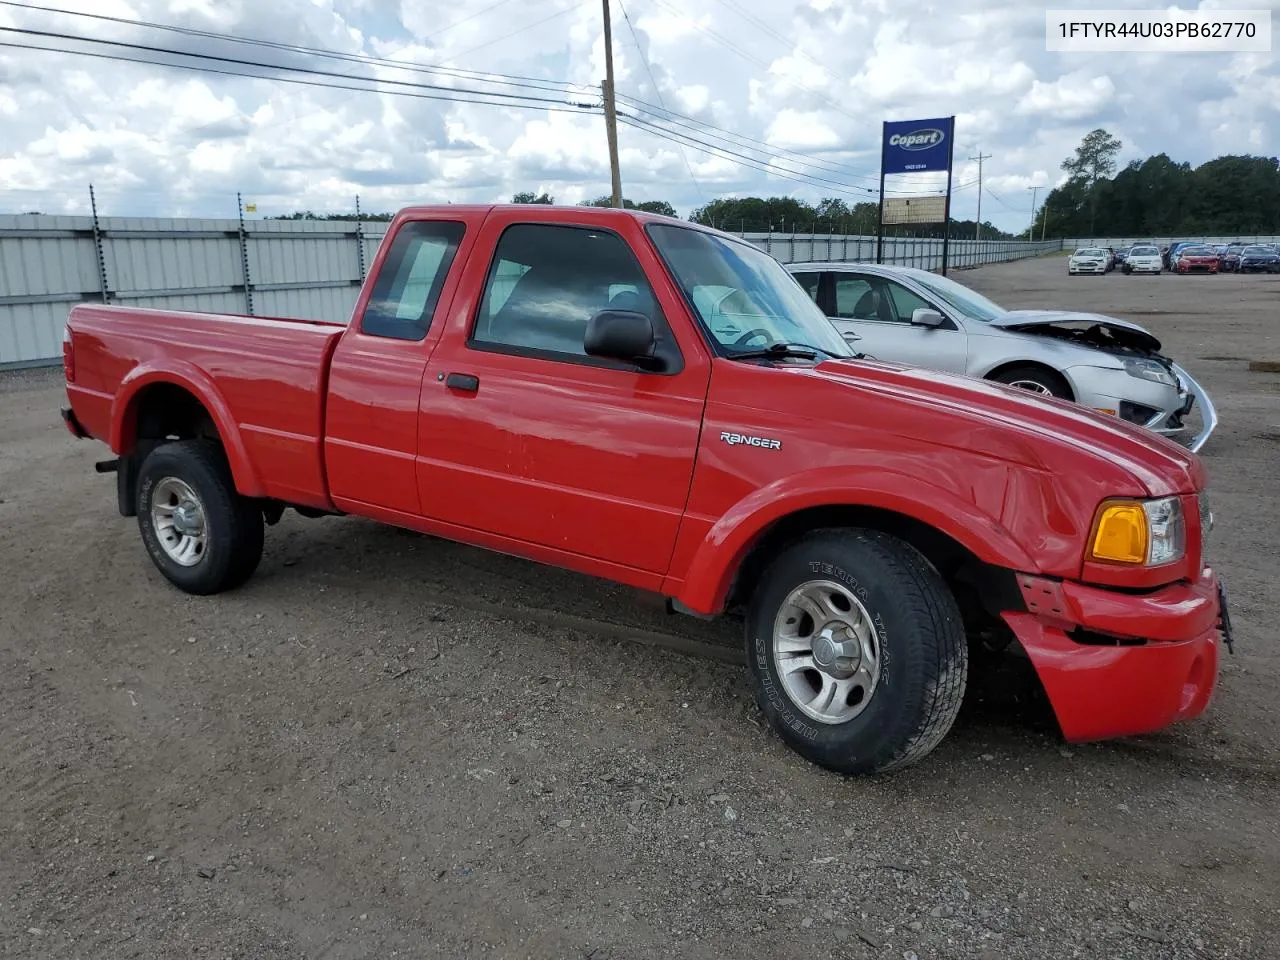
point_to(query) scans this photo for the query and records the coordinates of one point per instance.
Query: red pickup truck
(662, 405)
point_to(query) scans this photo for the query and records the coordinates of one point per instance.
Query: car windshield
(1144, 252)
(1091, 252)
(959, 297)
(1254, 251)
(745, 298)
(1199, 251)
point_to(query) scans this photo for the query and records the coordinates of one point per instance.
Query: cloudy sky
(798, 88)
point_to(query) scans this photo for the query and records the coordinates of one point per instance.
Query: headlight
(1140, 532)
(1149, 370)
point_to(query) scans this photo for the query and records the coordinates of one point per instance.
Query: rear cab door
(526, 438)
(375, 375)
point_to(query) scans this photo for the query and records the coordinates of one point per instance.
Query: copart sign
(913, 146)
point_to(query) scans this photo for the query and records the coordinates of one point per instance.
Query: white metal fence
(287, 268)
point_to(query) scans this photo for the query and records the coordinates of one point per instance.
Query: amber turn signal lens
(1122, 534)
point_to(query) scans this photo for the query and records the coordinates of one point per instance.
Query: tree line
(748, 215)
(789, 215)
(1157, 197)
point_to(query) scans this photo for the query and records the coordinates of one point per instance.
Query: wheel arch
(154, 404)
(977, 584)
(1048, 368)
(952, 533)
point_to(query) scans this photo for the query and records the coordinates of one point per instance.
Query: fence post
(359, 239)
(97, 246)
(244, 258)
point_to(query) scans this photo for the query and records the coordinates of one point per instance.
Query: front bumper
(1118, 664)
(1106, 388)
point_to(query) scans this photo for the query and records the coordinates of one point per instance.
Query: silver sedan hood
(1026, 319)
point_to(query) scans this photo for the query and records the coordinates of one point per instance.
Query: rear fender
(200, 385)
(727, 543)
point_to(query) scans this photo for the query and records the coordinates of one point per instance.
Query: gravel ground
(386, 745)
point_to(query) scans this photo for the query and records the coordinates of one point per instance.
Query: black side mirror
(625, 335)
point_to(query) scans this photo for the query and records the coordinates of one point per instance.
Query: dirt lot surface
(389, 746)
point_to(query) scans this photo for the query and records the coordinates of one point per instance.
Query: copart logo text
(917, 139)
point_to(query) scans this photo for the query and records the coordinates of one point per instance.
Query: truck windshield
(744, 298)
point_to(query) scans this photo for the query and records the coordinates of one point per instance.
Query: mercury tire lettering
(780, 703)
(733, 439)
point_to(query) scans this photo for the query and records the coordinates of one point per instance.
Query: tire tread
(928, 600)
(245, 534)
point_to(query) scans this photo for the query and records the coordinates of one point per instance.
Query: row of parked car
(1183, 256)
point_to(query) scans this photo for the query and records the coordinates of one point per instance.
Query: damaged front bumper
(1190, 393)
(1117, 664)
(1160, 407)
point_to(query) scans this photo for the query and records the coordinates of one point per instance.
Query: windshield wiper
(802, 351)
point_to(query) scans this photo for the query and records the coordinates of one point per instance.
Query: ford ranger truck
(659, 404)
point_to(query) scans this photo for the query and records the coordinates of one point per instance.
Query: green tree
(1094, 159)
(648, 206)
(528, 196)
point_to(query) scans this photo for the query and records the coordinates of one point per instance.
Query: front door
(878, 311)
(525, 436)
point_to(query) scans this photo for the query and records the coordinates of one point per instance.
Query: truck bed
(268, 373)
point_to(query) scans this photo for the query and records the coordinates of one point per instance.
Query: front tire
(857, 651)
(199, 531)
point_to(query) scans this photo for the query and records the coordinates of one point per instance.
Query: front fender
(183, 373)
(718, 557)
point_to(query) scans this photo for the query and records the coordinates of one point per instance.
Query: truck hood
(1048, 434)
(1028, 320)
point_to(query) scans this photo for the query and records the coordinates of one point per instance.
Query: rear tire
(892, 640)
(1037, 380)
(199, 531)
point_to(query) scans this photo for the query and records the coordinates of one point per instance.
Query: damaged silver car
(912, 316)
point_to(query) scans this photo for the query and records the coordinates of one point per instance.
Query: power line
(562, 87)
(405, 84)
(702, 126)
(755, 163)
(536, 83)
(658, 93)
(711, 149)
(554, 106)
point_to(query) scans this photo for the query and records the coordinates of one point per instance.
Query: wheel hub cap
(836, 652)
(177, 516)
(826, 650)
(186, 518)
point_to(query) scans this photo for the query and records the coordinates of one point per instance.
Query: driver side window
(905, 303)
(547, 282)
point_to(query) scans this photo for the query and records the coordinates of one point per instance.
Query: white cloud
(812, 76)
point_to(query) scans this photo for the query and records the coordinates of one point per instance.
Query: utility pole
(610, 110)
(1031, 230)
(977, 232)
